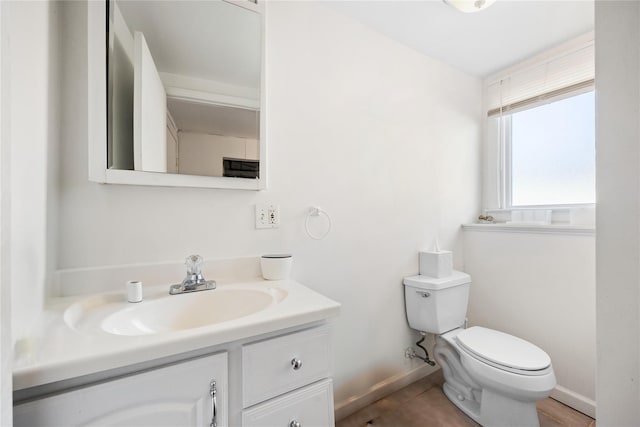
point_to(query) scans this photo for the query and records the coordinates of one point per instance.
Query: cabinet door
(176, 395)
(149, 111)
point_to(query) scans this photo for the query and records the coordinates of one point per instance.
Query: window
(541, 131)
(551, 151)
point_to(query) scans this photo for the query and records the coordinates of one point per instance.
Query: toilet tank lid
(436, 283)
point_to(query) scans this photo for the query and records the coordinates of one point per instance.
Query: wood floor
(423, 404)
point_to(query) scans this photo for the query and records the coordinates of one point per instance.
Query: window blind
(544, 80)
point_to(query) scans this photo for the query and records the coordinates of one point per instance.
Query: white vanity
(269, 367)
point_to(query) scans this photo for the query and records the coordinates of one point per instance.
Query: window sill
(533, 228)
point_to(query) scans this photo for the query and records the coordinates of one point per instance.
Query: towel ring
(315, 211)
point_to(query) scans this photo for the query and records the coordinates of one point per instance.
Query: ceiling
(480, 43)
(211, 40)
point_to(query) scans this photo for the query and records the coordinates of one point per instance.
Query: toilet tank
(437, 305)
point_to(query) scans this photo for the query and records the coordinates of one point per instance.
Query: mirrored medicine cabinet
(176, 93)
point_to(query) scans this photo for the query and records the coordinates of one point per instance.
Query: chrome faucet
(194, 281)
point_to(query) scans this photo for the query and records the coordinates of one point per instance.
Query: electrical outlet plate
(267, 215)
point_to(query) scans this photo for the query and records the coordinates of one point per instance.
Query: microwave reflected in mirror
(184, 88)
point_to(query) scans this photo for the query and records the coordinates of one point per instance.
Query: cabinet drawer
(311, 406)
(268, 368)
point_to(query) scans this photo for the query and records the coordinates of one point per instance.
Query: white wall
(34, 130)
(6, 342)
(540, 287)
(386, 140)
(618, 213)
(30, 134)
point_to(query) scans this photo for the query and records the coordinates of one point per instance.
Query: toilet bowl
(494, 391)
(493, 377)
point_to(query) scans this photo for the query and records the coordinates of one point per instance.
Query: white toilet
(493, 377)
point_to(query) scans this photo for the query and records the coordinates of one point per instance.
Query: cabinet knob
(297, 364)
(295, 423)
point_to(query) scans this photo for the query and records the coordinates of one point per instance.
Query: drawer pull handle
(297, 364)
(214, 409)
(295, 423)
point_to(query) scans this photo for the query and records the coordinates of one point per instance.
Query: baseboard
(575, 400)
(379, 390)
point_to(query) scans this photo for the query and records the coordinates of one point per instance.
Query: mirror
(184, 102)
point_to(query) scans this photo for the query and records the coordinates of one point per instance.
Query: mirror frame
(97, 115)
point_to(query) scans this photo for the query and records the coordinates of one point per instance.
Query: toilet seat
(503, 351)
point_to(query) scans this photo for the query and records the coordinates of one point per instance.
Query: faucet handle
(193, 263)
(194, 280)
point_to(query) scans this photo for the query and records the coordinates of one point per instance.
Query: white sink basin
(162, 313)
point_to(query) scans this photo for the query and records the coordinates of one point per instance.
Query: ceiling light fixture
(469, 6)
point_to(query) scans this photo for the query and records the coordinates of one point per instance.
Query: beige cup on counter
(276, 266)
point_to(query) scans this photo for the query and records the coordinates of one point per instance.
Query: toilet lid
(503, 349)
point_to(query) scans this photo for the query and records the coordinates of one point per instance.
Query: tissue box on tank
(436, 264)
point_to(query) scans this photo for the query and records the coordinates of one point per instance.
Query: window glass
(553, 153)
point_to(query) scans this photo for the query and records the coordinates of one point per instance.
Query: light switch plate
(267, 215)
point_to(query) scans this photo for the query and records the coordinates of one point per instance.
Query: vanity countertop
(60, 352)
